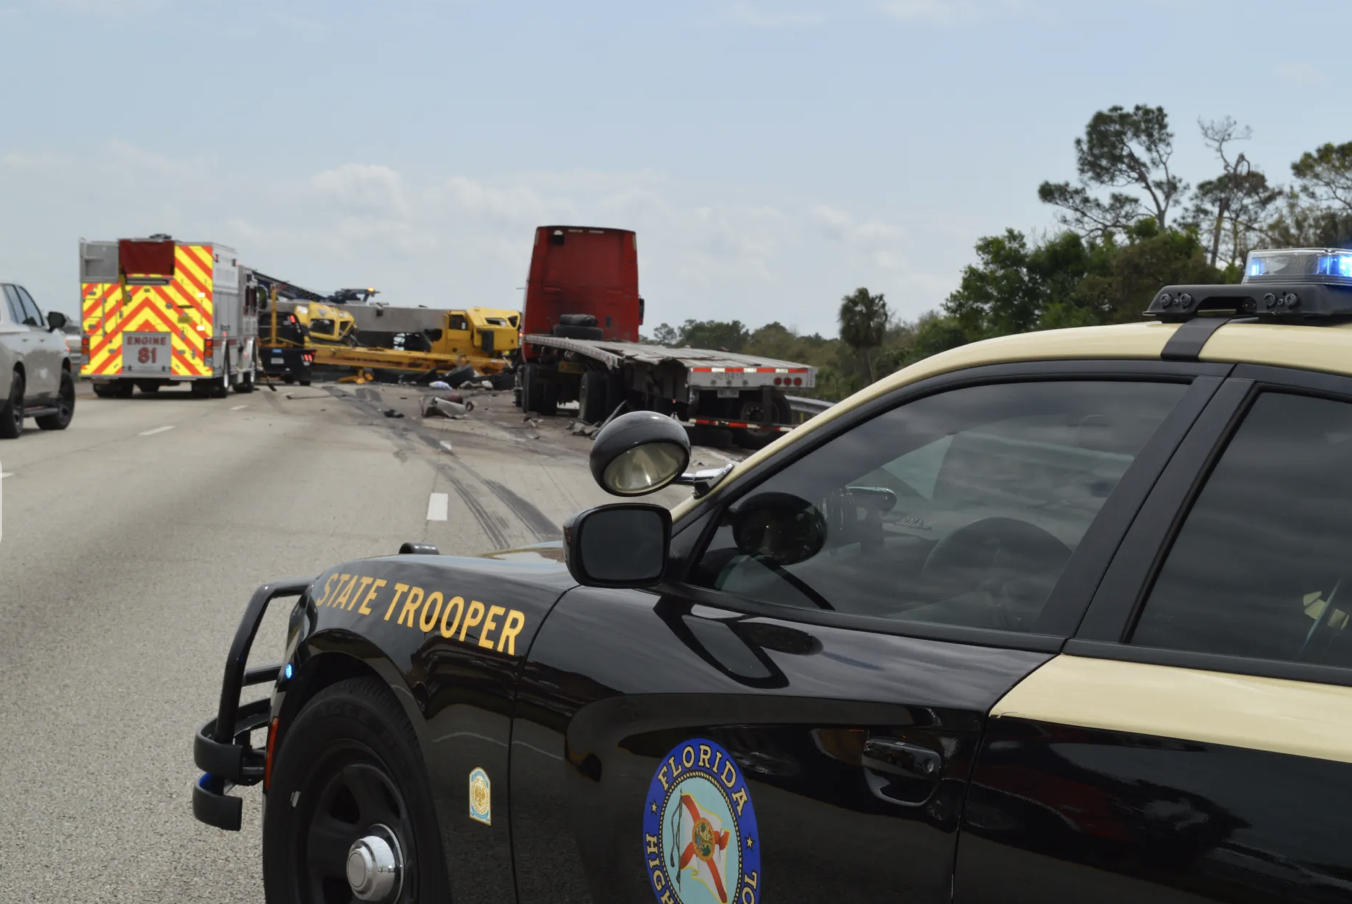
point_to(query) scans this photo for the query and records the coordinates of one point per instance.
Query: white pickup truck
(35, 368)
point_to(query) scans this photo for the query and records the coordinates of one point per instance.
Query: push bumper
(222, 748)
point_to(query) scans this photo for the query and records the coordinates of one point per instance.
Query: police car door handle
(902, 758)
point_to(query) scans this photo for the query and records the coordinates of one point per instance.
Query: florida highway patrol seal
(700, 841)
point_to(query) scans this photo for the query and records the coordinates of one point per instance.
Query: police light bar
(1329, 266)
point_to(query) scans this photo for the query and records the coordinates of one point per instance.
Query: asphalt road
(130, 545)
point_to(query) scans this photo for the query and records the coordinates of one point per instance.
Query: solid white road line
(437, 505)
(156, 430)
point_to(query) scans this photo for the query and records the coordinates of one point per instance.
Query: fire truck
(579, 342)
(160, 312)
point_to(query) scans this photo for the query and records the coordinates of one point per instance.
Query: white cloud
(746, 14)
(461, 237)
(953, 12)
(1299, 73)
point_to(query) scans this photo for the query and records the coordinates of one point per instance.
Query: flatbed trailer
(700, 387)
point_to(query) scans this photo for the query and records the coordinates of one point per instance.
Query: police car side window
(960, 508)
(1262, 566)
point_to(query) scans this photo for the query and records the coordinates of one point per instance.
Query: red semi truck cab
(578, 273)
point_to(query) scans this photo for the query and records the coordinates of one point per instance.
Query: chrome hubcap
(375, 866)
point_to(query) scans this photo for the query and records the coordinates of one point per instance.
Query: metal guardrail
(804, 409)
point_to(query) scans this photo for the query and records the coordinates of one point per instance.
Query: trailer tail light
(797, 381)
(778, 380)
(309, 357)
(267, 763)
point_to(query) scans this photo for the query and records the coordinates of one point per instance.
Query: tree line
(1125, 225)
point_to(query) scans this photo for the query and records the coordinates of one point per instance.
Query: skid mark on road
(535, 520)
(437, 506)
(156, 430)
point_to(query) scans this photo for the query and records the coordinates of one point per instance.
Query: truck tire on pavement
(246, 382)
(11, 415)
(591, 408)
(148, 387)
(530, 389)
(65, 406)
(349, 768)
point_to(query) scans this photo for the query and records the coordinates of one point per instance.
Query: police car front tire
(348, 770)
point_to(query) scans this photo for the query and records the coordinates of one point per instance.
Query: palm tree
(864, 319)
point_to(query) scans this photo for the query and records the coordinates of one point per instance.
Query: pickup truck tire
(347, 764)
(65, 406)
(11, 415)
(591, 397)
(569, 331)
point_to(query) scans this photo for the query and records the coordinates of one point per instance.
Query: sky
(772, 155)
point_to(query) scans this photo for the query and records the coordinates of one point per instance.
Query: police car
(1052, 617)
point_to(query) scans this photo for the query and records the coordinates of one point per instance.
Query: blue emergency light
(1305, 285)
(1300, 265)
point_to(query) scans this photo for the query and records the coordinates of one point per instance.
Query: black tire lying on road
(591, 408)
(348, 768)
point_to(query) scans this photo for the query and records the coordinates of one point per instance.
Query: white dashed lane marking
(437, 506)
(446, 444)
(156, 430)
(239, 407)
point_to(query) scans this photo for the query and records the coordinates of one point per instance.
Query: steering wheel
(991, 550)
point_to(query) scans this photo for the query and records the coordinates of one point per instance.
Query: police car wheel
(349, 813)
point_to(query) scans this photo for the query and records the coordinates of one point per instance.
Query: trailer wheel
(288, 378)
(549, 398)
(753, 438)
(349, 778)
(591, 397)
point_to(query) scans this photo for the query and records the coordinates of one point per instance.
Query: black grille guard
(221, 749)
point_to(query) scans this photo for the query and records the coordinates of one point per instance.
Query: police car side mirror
(639, 453)
(620, 545)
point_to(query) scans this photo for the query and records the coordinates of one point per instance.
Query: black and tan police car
(1051, 617)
